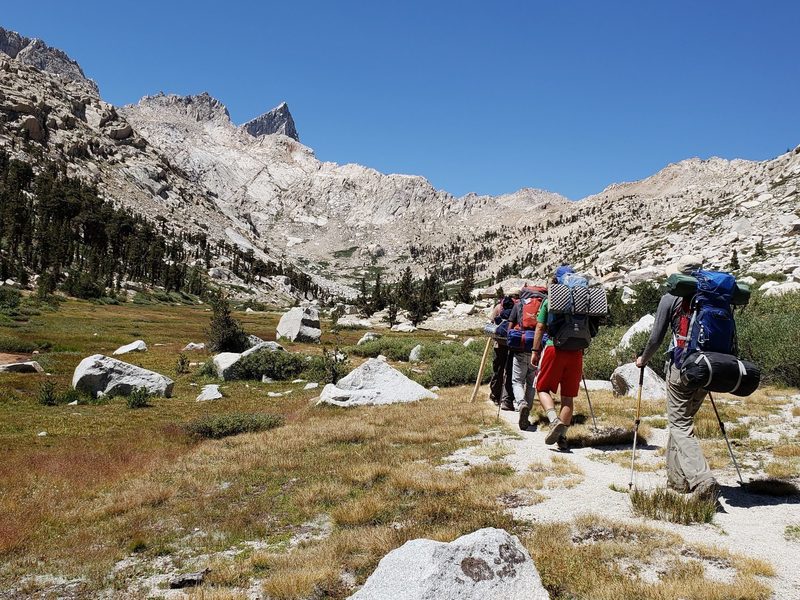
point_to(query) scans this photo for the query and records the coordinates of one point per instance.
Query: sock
(552, 416)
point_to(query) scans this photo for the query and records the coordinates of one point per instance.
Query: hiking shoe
(680, 488)
(557, 429)
(707, 490)
(524, 412)
(562, 443)
(506, 406)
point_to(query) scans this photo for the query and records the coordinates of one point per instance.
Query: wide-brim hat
(685, 264)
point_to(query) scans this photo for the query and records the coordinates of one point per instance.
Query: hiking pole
(589, 400)
(480, 370)
(722, 429)
(636, 423)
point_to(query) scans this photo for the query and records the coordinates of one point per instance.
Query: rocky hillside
(256, 187)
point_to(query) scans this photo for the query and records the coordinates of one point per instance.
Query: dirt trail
(7, 359)
(748, 524)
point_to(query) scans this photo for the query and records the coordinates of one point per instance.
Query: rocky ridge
(182, 159)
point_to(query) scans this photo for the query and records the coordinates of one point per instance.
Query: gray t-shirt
(666, 319)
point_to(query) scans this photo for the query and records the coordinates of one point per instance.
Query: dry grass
(783, 469)
(587, 560)
(666, 505)
(786, 450)
(796, 411)
(622, 458)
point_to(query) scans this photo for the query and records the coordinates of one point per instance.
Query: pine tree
(225, 334)
(363, 300)
(734, 260)
(405, 289)
(467, 285)
(378, 300)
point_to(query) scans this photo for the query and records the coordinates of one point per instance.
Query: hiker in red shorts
(560, 367)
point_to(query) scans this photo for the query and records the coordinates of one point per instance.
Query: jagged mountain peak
(201, 107)
(35, 53)
(277, 120)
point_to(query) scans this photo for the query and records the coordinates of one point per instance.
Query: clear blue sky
(476, 96)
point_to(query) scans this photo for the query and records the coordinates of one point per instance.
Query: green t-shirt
(542, 318)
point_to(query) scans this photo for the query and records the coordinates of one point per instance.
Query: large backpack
(573, 306)
(705, 346)
(520, 336)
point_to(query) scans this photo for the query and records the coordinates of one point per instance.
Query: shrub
(225, 334)
(277, 365)
(434, 351)
(769, 335)
(328, 368)
(393, 348)
(9, 298)
(182, 364)
(10, 344)
(47, 395)
(458, 369)
(224, 425)
(138, 398)
(598, 362)
(81, 285)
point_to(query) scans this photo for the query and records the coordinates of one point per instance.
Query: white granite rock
(137, 346)
(374, 382)
(625, 382)
(98, 374)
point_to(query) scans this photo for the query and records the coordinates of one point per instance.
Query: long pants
(522, 378)
(500, 385)
(686, 465)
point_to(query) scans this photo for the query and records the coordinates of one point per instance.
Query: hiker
(500, 384)
(560, 368)
(522, 326)
(687, 469)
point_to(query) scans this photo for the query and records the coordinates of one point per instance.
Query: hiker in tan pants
(687, 469)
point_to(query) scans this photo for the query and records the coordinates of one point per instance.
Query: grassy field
(111, 496)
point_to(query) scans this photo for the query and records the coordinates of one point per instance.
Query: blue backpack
(711, 327)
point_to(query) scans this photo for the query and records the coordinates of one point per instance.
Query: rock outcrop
(30, 366)
(487, 564)
(625, 382)
(278, 120)
(137, 346)
(209, 392)
(374, 382)
(642, 325)
(102, 374)
(300, 324)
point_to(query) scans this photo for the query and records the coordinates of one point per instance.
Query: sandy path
(747, 524)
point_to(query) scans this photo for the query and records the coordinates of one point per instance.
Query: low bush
(433, 351)
(393, 348)
(11, 344)
(138, 398)
(9, 298)
(224, 425)
(769, 335)
(598, 362)
(328, 368)
(458, 369)
(47, 395)
(278, 365)
(182, 364)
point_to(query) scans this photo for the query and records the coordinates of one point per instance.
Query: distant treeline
(59, 228)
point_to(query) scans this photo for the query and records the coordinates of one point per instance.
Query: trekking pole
(636, 423)
(722, 429)
(480, 370)
(589, 400)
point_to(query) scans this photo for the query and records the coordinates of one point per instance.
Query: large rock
(783, 288)
(625, 382)
(192, 346)
(643, 324)
(463, 310)
(487, 564)
(112, 377)
(209, 392)
(224, 361)
(300, 324)
(416, 354)
(599, 385)
(353, 321)
(404, 328)
(374, 382)
(30, 366)
(137, 346)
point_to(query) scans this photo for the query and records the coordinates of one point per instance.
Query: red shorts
(560, 368)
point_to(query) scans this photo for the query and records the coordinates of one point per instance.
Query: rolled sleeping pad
(685, 286)
(723, 373)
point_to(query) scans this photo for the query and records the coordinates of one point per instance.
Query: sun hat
(687, 265)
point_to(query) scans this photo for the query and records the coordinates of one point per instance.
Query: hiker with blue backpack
(567, 321)
(698, 310)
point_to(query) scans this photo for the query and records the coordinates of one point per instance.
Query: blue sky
(476, 96)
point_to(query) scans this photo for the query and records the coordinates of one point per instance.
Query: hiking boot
(506, 405)
(557, 429)
(524, 412)
(707, 490)
(677, 487)
(562, 443)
